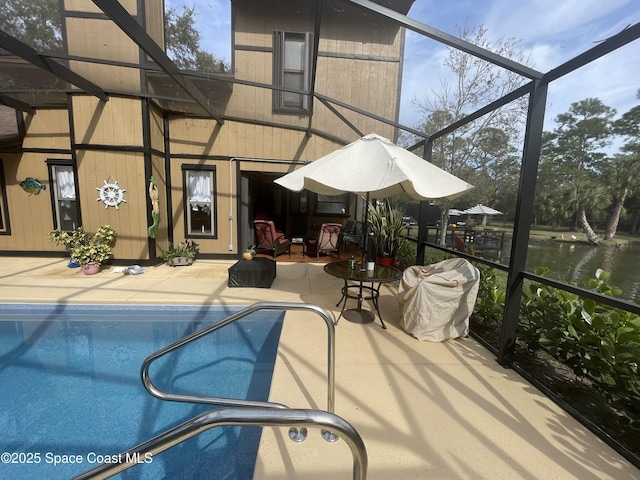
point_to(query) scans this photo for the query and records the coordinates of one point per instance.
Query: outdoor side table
(300, 240)
(258, 273)
(361, 285)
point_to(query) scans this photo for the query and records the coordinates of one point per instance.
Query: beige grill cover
(436, 301)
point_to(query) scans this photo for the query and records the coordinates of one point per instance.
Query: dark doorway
(262, 198)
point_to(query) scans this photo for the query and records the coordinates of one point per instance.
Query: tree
(183, 42)
(582, 133)
(34, 22)
(472, 84)
(486, 147)
(575, 147)
(621, 173)
(37, 23)
(588, 198)
(552, 192)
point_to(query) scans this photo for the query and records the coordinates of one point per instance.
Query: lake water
(574, 261)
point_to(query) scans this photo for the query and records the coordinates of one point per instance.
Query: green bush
(406, 256)
(491, 296)
(84, 247)
(600, 343)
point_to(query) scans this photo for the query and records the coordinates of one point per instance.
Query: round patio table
(361, 284)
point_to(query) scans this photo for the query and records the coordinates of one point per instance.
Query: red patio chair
(461, 246)
(267, 238)
(328, 241)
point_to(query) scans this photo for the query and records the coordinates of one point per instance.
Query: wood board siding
(236, 139)
(30, 215)
(89, 36)
(48, 128)
(156, 129)
(117, 122)
(129, 220)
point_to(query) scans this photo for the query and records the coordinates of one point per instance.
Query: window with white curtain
(200, 205)
(63, 182)
(291, 68)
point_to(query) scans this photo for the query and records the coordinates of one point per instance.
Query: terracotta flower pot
(91, 268)
(389, 262)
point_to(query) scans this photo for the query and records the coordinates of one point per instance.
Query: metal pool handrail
(260, 417)
(232, 402)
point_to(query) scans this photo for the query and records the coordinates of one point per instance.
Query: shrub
(85, 248)
(491, 296)
(600, 343)
(406, 255)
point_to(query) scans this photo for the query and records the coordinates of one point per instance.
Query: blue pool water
(70, 388)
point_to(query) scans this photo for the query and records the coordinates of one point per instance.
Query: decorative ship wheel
(111, 194)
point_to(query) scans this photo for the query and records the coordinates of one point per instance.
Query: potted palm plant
(89, 251)
(385, 226)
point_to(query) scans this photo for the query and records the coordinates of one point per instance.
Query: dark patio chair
(351, 234)
(267, 238)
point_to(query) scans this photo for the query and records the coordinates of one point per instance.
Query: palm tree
(620, 174)
(587, 196)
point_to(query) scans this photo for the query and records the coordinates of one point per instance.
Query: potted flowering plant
(88, 250)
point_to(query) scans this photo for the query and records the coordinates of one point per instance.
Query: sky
(550, 32)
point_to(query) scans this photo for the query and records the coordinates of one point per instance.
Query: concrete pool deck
(424, 410)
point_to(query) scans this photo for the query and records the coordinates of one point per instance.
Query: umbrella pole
(365, 240)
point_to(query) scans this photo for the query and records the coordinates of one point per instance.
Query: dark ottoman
(259, 273)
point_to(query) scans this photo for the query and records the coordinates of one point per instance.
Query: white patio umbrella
(482, 210)
(374, 166)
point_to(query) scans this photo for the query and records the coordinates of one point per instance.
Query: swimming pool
(71, 395)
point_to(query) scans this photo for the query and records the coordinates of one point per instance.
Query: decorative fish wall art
(32, 186)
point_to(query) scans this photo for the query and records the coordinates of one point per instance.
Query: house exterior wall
(30, 215)
(129, 139)
(116, 123)
(90, 34)
(358, 64)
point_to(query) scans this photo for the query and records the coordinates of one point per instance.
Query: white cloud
(565, 21)
(614, 79)
(551, 33)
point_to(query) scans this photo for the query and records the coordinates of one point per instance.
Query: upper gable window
(292, 69)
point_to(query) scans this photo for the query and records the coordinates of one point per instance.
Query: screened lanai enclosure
(93, 93)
